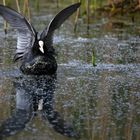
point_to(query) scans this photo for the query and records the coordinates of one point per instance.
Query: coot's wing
(26, 32)
(47, 34)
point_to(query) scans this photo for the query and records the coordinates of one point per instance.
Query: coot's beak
(41, 44)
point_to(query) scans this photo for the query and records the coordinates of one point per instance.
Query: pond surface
(82, 101)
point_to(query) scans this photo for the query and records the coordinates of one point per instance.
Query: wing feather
(56, 22)
(25, 31)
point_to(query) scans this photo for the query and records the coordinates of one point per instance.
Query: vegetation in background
(114, 7)
(87, 10)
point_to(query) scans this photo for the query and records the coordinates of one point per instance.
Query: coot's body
(39, 65)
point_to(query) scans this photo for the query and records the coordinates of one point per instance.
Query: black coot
(36, 54)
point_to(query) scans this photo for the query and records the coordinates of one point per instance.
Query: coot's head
(36, 54)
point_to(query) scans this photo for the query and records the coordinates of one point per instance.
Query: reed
(88, 15)
(57, 2)
(18, 7)
(76, 18)
(5, 23)
(93, 58)
(37, 5)
(26, 9)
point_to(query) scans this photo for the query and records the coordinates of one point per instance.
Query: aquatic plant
(5, 23)
(93, 58)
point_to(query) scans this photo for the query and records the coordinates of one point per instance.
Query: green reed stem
(5, 23)
(93, 58)
(26, 9)
(18, 7)
(76, 18)
(88, 15)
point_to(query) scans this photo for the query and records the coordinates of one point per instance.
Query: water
(81, 101)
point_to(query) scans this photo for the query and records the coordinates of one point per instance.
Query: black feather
(57, 21)
(26, 32)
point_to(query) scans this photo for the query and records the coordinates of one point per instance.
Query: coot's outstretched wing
(47, 34)
(26, 32)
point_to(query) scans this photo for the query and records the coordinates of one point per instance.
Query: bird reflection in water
(35, 93)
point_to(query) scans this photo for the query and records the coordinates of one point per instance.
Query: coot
(36, 54)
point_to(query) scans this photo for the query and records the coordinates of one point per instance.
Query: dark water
(81, 101)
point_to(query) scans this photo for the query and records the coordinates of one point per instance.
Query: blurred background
(90, 11)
